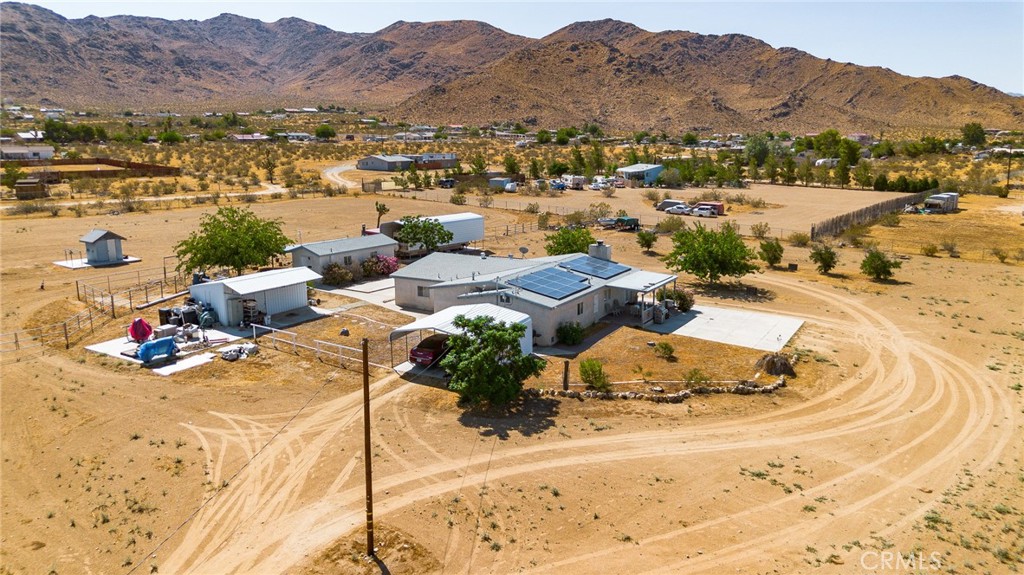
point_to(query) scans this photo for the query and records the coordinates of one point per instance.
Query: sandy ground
(908, 439)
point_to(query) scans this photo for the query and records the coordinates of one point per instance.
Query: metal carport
(443, 321)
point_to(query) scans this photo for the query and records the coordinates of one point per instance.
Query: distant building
(645, 173)
(32, 136)
(102, 248)
(12, 152)
(257, 137)
(384, 163)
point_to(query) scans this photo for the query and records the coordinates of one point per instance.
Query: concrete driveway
(755, 330)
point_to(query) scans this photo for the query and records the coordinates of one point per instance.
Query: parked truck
(465, 227)
(717, 207)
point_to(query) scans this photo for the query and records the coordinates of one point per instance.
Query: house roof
(391, 158)
(97, 235)
(642, 281)
(268, 280)
(444, 267)
(636, 168)
(344, 245)
(443, 320)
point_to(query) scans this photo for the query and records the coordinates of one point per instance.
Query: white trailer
(465, 227)
(574, 182)
(943, 203)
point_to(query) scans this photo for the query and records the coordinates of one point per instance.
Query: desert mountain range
(609, 72)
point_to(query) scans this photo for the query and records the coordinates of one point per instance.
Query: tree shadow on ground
(527, 416)
(736, 291)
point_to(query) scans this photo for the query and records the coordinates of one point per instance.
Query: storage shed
(102, 248)
(241, 299)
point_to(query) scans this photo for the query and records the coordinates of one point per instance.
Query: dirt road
(875, 452)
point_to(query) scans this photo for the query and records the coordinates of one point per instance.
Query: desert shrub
(664, 350)
(336, 274)
(533, 208)
(593, 375)
(485, 201)
(1019, 256)
(758, 203)
(543, 220)
(711, 196)
(771, 251)
(276, 195)
(379, 266)
(55, 211)
(666, 195)
(79, 210)
(576, 218)
(651, 195)
(696, 377)
(608, 192)
(930, 250)
(458, 198)
(949, 246)
(249, 198)
(1000, 254)
(799, 239)
(878, 266)
(570, 333)
(855, 235)
(25, 208)
(890, 220)
(760, 230)
(825, 257)
(1003, 192)
(670, 225)
(683, 298)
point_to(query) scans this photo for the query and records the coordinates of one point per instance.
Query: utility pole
(367, 454)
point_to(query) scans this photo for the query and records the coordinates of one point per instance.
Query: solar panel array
(551, 282)
(592, 266)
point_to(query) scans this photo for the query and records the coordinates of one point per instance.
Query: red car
(429, 350)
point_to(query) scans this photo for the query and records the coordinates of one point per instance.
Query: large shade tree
(709, 255)
(418, 230)
(234, 238)
(568, 241)
(486, 362)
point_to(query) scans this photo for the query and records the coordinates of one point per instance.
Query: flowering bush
(380, 266)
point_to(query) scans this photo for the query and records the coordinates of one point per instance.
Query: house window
(579, 308)
(348, 260)
(422, 291)
(504, 298)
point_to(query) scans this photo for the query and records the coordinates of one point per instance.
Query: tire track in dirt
(877, 399)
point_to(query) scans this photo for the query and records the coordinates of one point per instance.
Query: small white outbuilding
(238, 299)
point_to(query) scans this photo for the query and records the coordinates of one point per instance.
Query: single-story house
(241, 299)
(384, 163)
(349, 252)
(435, 160)
(552, 290)
(30, 152)
(102, 247)
(646, 173)
(443, 322)
(257, 137)
(32, 136)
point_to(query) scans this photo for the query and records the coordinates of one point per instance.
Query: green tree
(12, 173)
(757, 148)
(535, 169)
(788, 170)
(771, 169)
(646, 239)
(325, 132)
(413, 176)
(806, 172)
(973, 134)
(421, 231)
(877, 265)
(862, 175)
(543, 137)
(568, 241)
(170, 137)
(752, 170)
(842, 176)
(825, 257)
(382, 209)
(511, 164)
(477, 165)
(709, 255)
(235, 238)
(269, 165)
(690, 139)
(771, 252)
(826, 144)
(849, 151)
(486, 363)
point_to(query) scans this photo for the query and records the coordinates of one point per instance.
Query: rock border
(740, 388)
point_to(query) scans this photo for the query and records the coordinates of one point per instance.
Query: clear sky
(983, 41)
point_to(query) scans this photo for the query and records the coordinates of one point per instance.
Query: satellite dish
(523, 250)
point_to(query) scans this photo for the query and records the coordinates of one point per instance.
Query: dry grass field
(900, 434)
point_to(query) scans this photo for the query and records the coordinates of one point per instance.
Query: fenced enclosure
(837, 225)
(343, 356)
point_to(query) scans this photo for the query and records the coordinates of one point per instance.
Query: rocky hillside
(611, 72)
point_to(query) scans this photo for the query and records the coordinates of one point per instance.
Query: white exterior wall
(305, 258)
(280, 299)
(467, 230)
(405, 294)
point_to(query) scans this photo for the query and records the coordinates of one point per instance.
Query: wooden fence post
(67, 342)
(78, 295)
(17, 346)
(131, 305)
(113, 310)
(90, 321)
